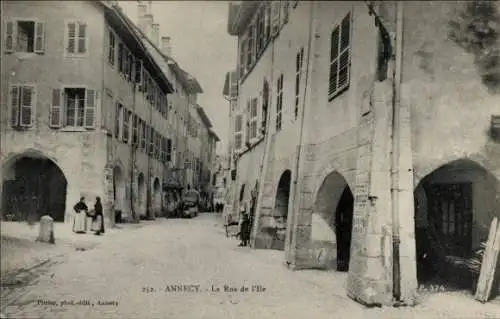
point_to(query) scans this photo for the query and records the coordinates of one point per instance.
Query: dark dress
(98, 218)
(245, 230)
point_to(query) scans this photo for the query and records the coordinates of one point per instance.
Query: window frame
(332, 94)
(299, 68)
(64, 107)
(77, 23)
(112, 48)
(253, 119)
(15, 35)
(238, 133)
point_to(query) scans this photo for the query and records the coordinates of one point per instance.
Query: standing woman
(98, 223)
(81, 210)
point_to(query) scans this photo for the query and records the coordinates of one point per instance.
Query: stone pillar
(46, 234)
(370, 269)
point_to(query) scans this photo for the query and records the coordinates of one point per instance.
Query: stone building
(88, 112)
(181, 100)
(370, 151)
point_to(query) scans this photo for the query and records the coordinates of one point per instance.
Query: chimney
(166, 45)
(141, 13)
(155, 34)
(148, 25)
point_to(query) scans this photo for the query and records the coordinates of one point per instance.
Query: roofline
(130, 26)
(204, 116)
(212, 132)
(189, 87)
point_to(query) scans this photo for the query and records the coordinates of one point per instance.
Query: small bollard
(46, 234)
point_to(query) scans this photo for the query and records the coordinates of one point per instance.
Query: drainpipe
(132, 152)
(296, 192)
(396, 152)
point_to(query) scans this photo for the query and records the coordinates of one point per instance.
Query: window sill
(76, 55)
(72, 129)
(331, 97)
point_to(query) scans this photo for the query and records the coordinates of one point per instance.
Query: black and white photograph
(279, 159)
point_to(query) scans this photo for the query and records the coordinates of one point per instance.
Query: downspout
(132, 153)
(396, 152)
(296, 191)
(112, 220)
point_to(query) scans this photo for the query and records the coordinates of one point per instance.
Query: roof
(125, 28)
(231, 84)
(187, 80)
(212, 132)
(204, 116)
(239, 14)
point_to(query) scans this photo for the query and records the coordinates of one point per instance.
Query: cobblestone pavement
(131, 275)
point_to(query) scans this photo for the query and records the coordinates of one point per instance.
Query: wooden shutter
(275, 17)
(10, 36)
(71, 29)
(55, 117)
(14, 103)
(39, 37)
(27, 102)
(82, 37)
(90, 109)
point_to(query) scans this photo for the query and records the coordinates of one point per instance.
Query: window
(126, 125)
(265, 106)
(143, 135)
(250, 46)
(238, 132)
(267, 22)
(78, 109)
(22, 102)
(135, 130)
(77, 37)
(279, 102)
(169, 150)
(151, 148)
(253, 118)
(340, 58)
(260, 31)
(25, 36)
(120, 57)
(138, 71)
(242, 57)
(298, 74)
(118, 119)
(275, 17)
(111, 49)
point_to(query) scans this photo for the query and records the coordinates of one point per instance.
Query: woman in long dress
(81, 210)
(98, 222)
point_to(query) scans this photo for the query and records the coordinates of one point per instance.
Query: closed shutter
(28, 94)
(55, 120)
(39, 37)
(82, 37)
(90, 109)
(71, 31)
(169, 150)
(14, 104)
(10, 36)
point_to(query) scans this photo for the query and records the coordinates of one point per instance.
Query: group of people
(82, 214)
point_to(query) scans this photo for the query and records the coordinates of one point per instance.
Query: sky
(202, 47)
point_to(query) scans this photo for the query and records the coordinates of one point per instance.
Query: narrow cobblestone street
(127, 276)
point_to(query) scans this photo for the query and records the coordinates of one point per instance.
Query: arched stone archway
(141, 195)
(331, 226)
(156, 197)
(33, 185)
(280, 212)
(454, 206)
(119, 194)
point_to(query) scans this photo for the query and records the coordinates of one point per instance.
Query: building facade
(372, 147)
(90, 112)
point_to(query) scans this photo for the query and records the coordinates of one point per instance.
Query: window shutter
(10, 37)
(55, 120)
(39, 37)
(71, 38)
(14, 103)
(90, 109)
(82, 37)
(27, 103)
(169, 150)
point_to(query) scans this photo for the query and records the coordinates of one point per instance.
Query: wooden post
(489, 263)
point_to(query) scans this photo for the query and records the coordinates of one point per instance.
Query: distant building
(339, 184)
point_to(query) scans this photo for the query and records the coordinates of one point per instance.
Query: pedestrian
(81, 210)
(98, 219)
(244, 230)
